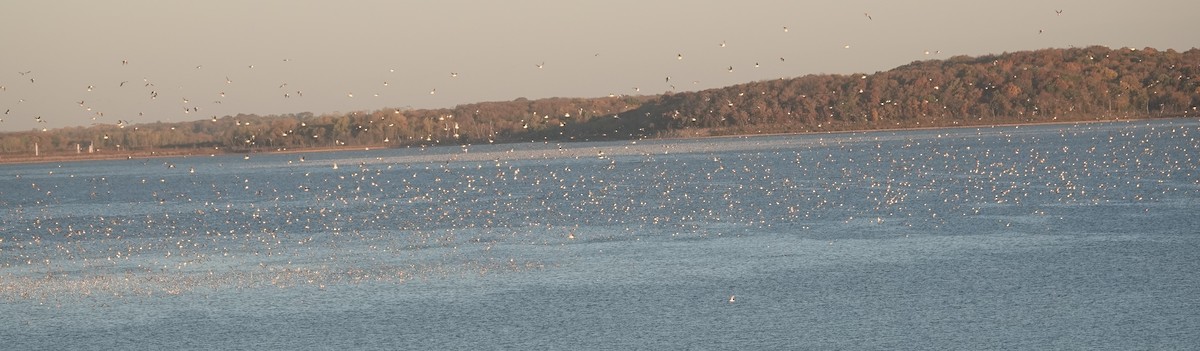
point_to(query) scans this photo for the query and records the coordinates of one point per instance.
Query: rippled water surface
(1033, 237)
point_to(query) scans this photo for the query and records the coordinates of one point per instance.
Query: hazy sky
(320, 53)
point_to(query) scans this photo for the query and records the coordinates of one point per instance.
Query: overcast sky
(148, 61)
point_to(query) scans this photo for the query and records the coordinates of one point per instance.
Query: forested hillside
(1024, 87)
(1094, 83)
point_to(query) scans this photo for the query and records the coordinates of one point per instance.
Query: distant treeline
(1094, 83)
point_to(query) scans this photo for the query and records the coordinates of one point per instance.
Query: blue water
(1033, 237)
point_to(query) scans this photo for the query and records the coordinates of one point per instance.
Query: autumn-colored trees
(1044, 85)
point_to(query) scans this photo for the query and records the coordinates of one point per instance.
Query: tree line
(1093, 83)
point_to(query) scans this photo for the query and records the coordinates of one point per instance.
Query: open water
(1034, 237)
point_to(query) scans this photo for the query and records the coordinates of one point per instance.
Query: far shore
(949, 127)
(102, 156)
(106, 156)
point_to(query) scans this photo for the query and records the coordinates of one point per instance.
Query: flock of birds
(131, 111)
(160, 227)
(154, 229)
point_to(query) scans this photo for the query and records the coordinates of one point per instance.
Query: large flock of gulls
(158, 227)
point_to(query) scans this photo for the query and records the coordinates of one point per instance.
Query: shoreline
(853, 131)
(159, 154)
(4, 160)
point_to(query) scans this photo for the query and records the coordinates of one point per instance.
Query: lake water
(1033, 237)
